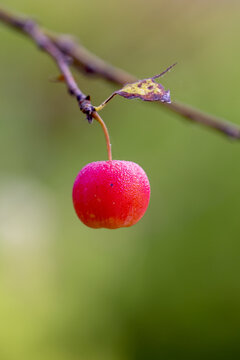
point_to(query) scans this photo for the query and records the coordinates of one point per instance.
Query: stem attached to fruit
(98, 118)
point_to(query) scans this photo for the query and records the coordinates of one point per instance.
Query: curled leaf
(146, 89)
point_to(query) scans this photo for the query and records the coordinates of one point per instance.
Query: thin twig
(30, 28)
(61, 46)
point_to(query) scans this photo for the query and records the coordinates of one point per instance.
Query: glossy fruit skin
(111, 194)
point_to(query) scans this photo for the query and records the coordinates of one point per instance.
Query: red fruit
(111, 194)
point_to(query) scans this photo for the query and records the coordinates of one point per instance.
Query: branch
(61, 47)
(91, 64)
(31, 29)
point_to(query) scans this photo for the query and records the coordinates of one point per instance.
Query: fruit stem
(98, 118)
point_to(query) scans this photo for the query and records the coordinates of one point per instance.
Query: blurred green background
(169, 287)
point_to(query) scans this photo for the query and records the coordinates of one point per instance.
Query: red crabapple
(111, 194)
